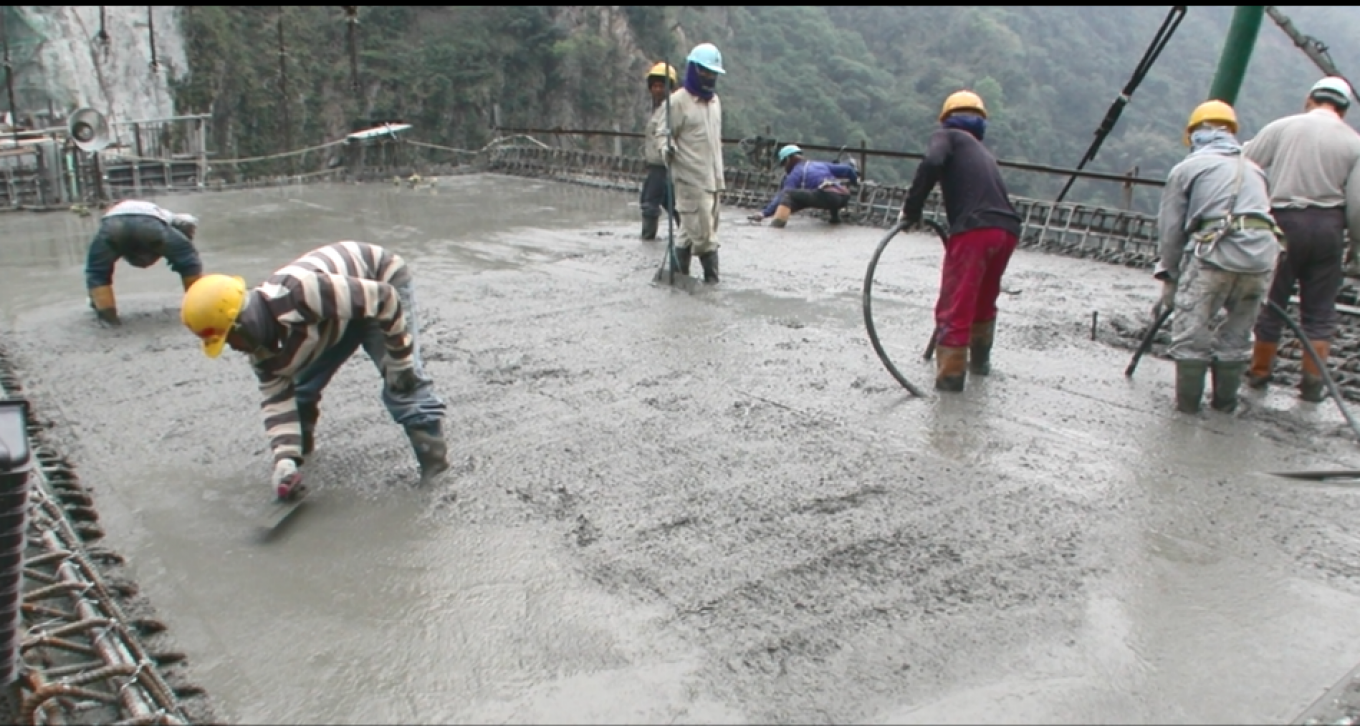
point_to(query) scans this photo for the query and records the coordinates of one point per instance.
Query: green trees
(828, 75)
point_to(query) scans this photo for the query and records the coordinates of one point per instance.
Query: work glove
(1168, 299)
(756, 218)
(401, 376)
(1351, 263)
(670, 155)
(905, 224)
(287, 480)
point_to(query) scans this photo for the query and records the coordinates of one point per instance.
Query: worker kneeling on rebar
(140, 233)
(302, 324)
(984, 230)
(809, 184)
(1216, 207)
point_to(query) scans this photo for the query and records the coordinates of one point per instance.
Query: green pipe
(1232, 64)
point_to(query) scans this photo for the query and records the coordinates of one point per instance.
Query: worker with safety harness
(301, 325)
(1215, 207)
(661, 81)
(140, 233)
(690, 140)
(1312, 160)
(809, 185)
(984, 230)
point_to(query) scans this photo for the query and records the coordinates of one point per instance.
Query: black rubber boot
(432, 454)
(682, 257)
(1190, 385)
(1227, 381)
(649, 225)
(309, 413)
(835, 216)
(710, 262)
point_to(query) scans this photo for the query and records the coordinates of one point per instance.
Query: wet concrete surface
(708, 508)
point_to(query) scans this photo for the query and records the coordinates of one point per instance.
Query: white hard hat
(1333, 89)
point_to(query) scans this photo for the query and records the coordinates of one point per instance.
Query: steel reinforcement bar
(1113, 236)
(84, 658)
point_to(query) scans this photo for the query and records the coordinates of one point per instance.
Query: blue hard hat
(707, 55)
(788, 151)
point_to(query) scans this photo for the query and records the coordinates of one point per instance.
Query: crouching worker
(140, 233)
(302, 324)
(1215, 207)
(809, 185)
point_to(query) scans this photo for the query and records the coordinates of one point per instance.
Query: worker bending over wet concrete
(809, 185)
(302, 324)
(690, 140)
(140, 233)
(1215, 207)
(655, 196)
(984, 230)
(1312, 160)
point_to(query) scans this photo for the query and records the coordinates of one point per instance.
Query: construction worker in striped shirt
(141, 233)
(302, 324)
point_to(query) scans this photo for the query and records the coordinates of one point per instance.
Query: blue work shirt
(814, 175)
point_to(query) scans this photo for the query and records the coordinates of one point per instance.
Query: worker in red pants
(984, 230)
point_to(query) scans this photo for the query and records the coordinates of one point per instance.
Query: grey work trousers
(1203, 291)
(1315, 245)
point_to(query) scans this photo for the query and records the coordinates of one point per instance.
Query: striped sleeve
(281, 421)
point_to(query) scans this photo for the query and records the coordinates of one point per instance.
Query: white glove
(286, 480)
(1350, 266)
(401, 375)
(1168, 299)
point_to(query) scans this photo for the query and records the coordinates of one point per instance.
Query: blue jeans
(419, 409)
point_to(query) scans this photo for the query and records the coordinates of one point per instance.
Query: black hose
(868, 305)
(1173, 19)
(1317, 361)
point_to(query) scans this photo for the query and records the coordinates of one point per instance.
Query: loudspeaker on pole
(89, 130)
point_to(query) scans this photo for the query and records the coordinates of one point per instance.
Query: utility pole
(9, 77)
(352, 19)
(283, 93)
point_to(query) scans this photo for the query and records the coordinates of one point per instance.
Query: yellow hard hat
(662, 70)
(1216, 111)
(963, 101)
(210, 309)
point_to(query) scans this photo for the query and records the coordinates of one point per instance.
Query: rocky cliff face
(118, 60)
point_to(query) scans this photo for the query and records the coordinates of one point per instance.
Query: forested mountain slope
(815, 74)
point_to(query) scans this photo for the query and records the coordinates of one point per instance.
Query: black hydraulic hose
(1317, 361)
(868, 305)
(1173, 19)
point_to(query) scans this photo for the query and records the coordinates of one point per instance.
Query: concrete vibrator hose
(868, 304)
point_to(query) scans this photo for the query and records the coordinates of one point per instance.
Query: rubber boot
(781, 216)
(189, 281)
(1262, 363)
(308, 414)
(101, 299)
(980, 348)
(1227, 381)
(709, 260)
(682, 257)
(951, 368)
(1311, 386)
(835, 217)
(1190, 385)
(649, 225)
(432, 454)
